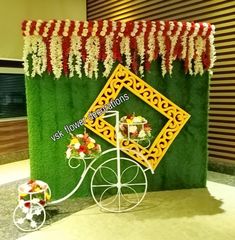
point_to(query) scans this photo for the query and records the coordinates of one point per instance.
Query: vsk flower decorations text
(73, 47)
(91, 116)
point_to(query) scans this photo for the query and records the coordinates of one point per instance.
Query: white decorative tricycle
(118, 184)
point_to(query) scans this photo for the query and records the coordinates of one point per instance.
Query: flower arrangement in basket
(83, 146)
(135, 128)
(34, 190)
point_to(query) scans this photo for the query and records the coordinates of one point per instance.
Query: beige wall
(13, 12)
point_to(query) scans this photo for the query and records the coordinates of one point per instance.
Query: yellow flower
(73, 141)
(37, 189)
(23, 194)
(90, 145)
(129, 120)
(48, 196)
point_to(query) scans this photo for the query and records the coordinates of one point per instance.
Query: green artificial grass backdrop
(52, 104)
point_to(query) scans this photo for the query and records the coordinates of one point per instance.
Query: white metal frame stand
(119, 202)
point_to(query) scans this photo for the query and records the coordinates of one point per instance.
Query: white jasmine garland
(108, 62)
(27, 28)
(37, 27)
(124, 50)
(162, 47)
(190, 53)
(151, 43)
(123, 26)
(76, 27)
(84, 32)
(94, 28)
(122, 46)
(135, 29)
(75, 57)
(127, 51)
(212, 47)
(104, 28)
(46, 29)
(38, 55)
(91, 64)
(27, 50)
(141, 52)
(205, 29)
(114, 26)
(199, 46)
(57, 28)
(56, 55)
(172, 25)
(162, 52)
(66, 28)
(56, 51)
(85, 29)
(144, 26)
(42, 55)
(184, 39)
(174, 40)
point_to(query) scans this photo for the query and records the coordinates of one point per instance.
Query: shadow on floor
(179, 203)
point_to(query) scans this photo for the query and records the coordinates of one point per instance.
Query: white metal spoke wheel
(29, 216)
(118, 188)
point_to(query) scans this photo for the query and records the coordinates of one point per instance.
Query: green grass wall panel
(52, 104)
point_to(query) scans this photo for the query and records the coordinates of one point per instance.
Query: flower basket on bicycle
(134, 128)
(82, 146)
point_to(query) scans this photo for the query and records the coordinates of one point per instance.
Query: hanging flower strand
(72, 47)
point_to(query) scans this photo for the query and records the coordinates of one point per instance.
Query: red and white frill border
(76, 47)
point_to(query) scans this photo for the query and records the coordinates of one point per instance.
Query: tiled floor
(221, 178)
(182, 214)
(14, 171)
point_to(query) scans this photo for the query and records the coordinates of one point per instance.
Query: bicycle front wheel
(118, 188)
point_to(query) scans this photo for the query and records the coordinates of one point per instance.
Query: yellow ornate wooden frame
(123, 78)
